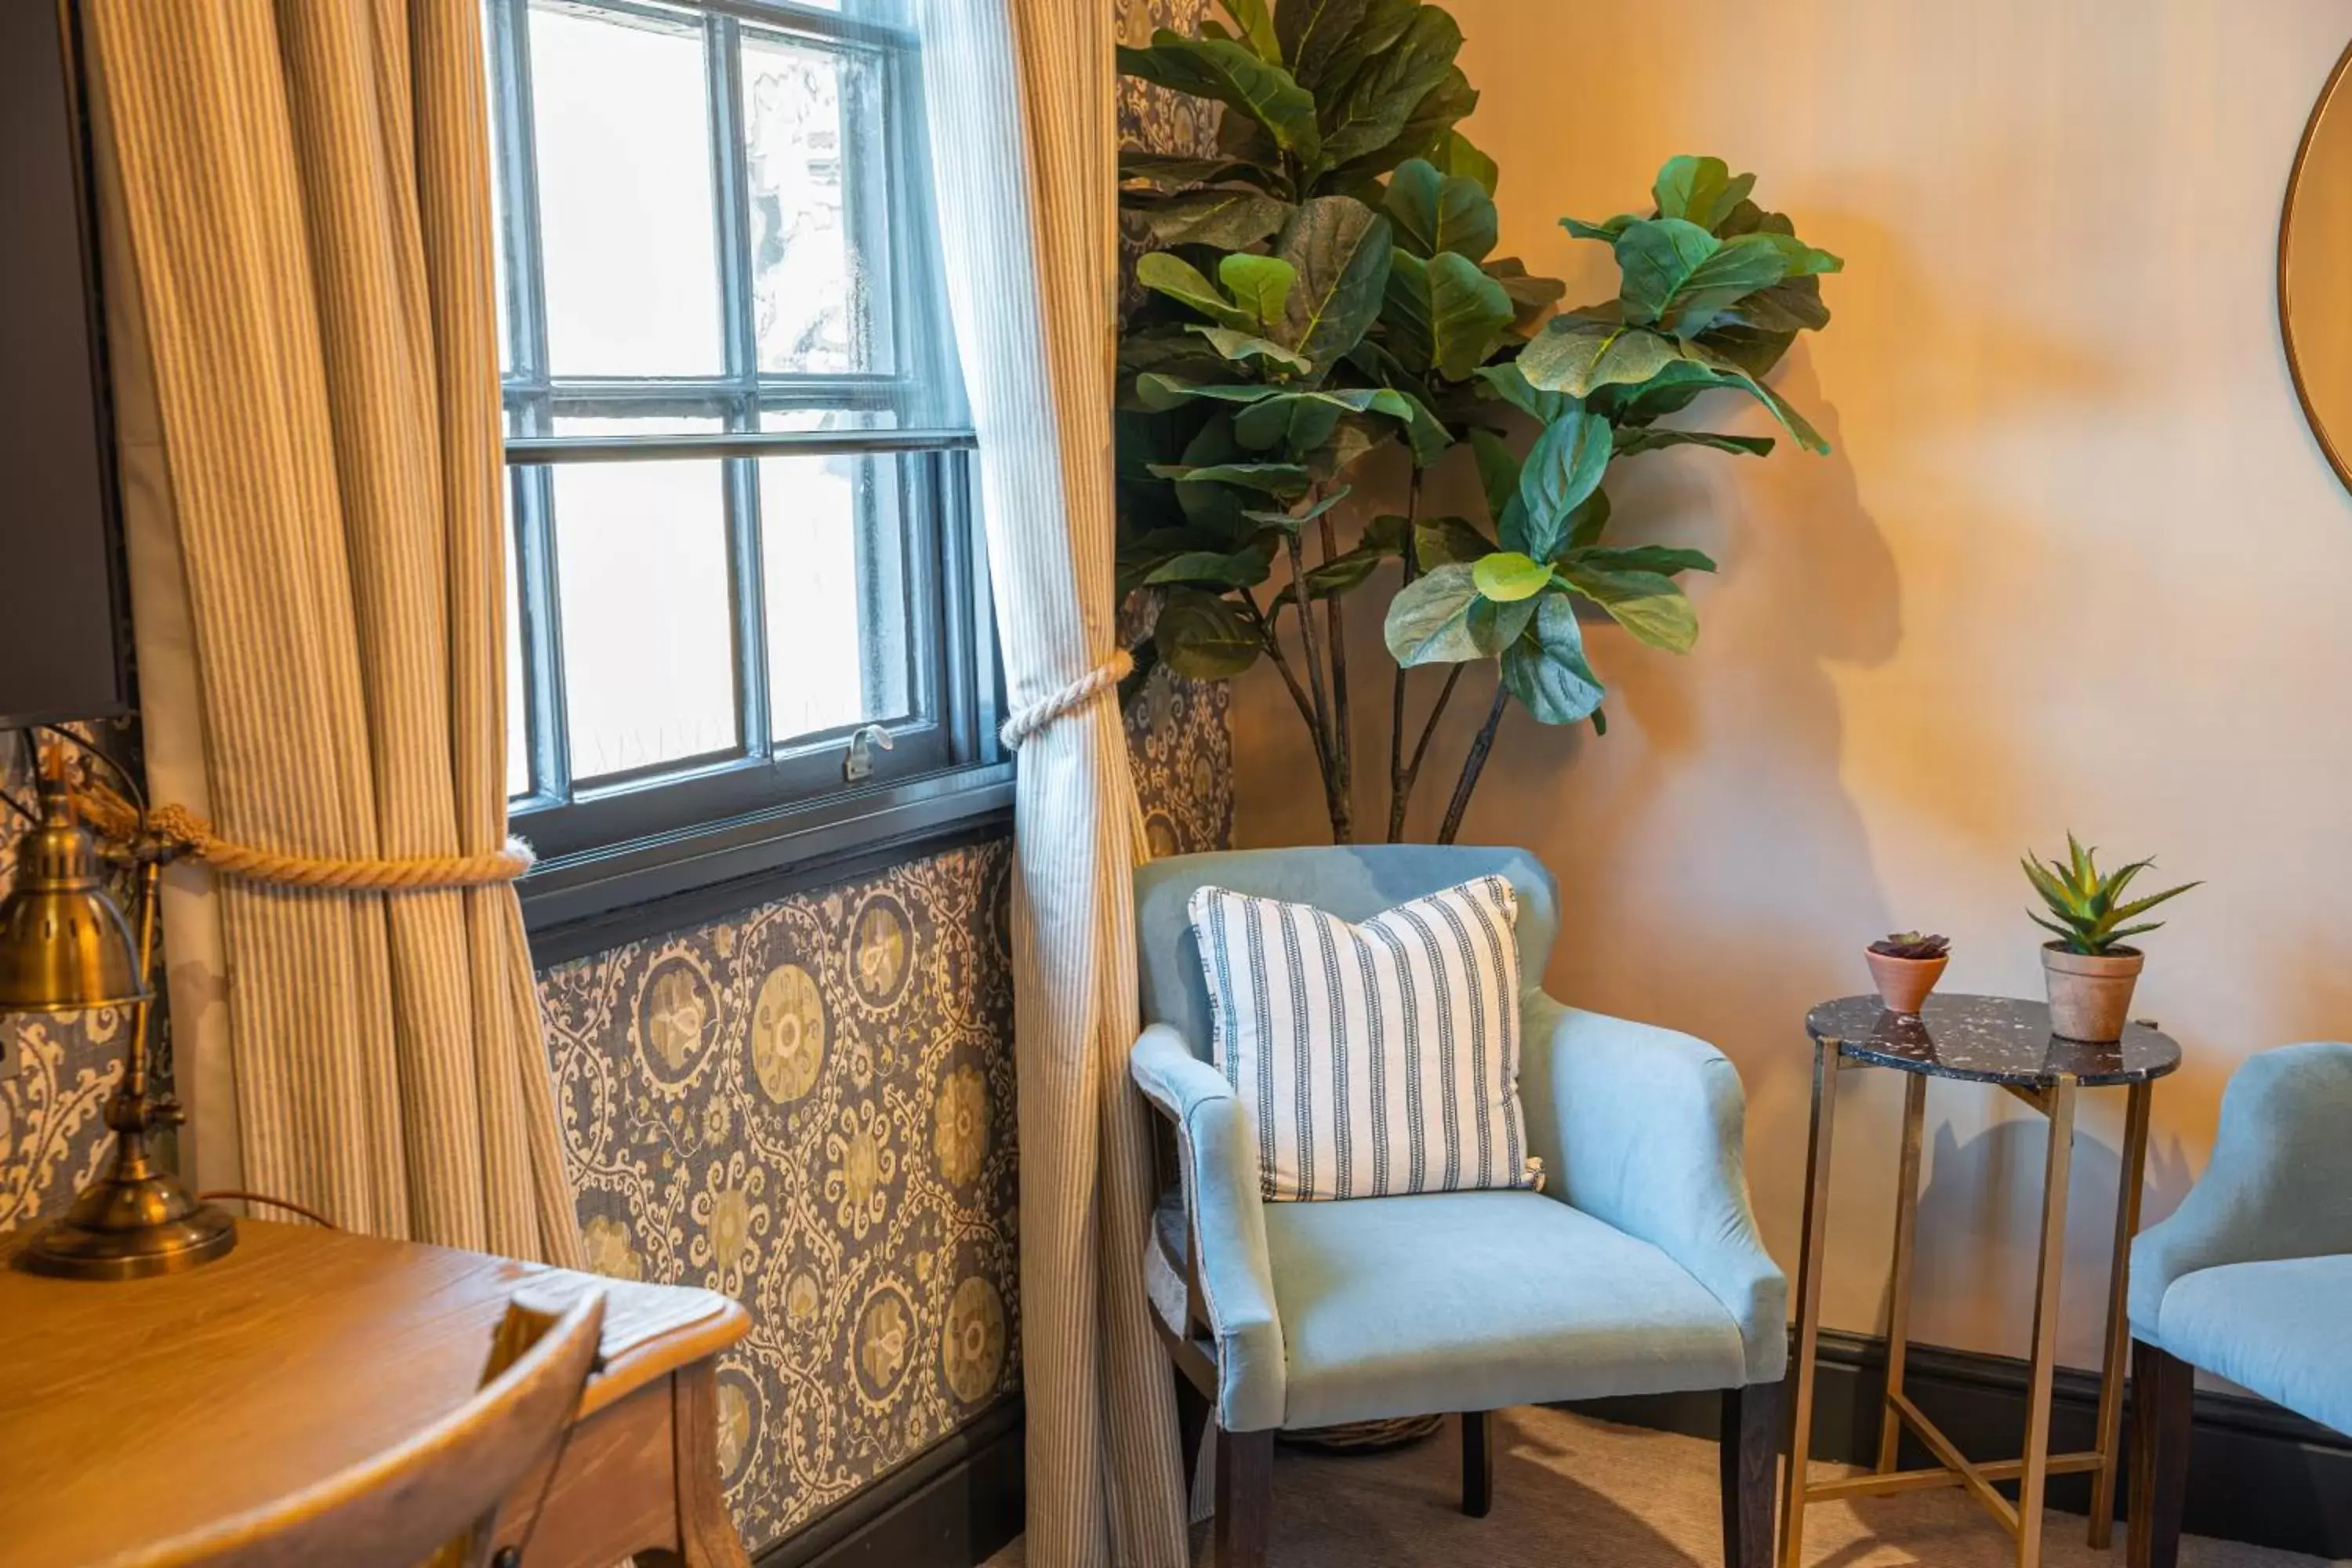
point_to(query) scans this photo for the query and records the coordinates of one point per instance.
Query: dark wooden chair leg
(2163, 1388)
(1191, 1425)
(1751, 1443)
(1244, 1498)
(1478, 1463)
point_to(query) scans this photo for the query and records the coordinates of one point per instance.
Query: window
(744, 583)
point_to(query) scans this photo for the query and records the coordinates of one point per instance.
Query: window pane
(626, 228)
(642, 574)
(820, 274)
(833, 554)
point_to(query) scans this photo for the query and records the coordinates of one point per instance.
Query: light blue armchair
(1637, 1270)
(2251, 1277)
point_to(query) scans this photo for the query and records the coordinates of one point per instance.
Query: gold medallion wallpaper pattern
(809, 1106)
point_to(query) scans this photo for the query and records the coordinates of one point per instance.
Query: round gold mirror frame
(2331, 144)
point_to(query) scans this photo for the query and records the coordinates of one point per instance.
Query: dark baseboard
(2256, 1473)
(954, 1505)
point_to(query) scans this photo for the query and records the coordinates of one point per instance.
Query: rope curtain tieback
(1104, 677)
(183, 828)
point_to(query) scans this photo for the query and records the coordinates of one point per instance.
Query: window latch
(859, 764)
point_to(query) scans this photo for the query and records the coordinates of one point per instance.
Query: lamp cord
(224, 1194)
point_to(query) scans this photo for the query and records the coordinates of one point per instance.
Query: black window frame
(767, 807)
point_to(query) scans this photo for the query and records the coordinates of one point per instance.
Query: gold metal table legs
(2031, 1472)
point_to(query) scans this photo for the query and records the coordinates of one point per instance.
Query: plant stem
(1343, 767)
(1473, 764)
(1400, 776)
(1313, 655)
(1271, 640)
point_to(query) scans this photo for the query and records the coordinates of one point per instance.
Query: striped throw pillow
(1376, 1058)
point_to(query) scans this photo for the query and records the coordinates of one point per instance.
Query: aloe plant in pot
(2089, 971)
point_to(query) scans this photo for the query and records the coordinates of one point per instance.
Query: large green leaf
(1341, 248)
(1460, 157)
(1790, 306)
(1508, 382)
(1255, 20)
(1429, 620)
(1231, 73)
(1202, 636)
(1506, 576)
(1424, 135)
(1589, 522)
(1260, 285)
(1435, 212)
(1303, 422)
(1285, 481)
(1439, 540)
(1338, 51)
(1680, 277)
(1443, 314)
(1663, 559)
(1701, 190)
(1163, 169)
(1243, 347)
(1607, 229)
(1179, 280)
(1226, 219)
(1783, 409)
(1499, 468)
(1546, 669)
(1632, 440)
(1650, 605)
(1564, 468)
(1238, 569)
(1385, 93)
(1532, 298)
(1307, 32)
(1292, 521)
(1576, 357)
(1424, 432)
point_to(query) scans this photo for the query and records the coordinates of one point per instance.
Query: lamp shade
(64, 945)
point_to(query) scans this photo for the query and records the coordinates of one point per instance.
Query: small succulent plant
(1912, 945)
(2090, 907)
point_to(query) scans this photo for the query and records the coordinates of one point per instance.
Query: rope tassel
(1104, 677)
(191, 833)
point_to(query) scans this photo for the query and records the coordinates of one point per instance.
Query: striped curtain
(1024, 138)
(302, 192)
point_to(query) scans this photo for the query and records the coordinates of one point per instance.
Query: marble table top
(1987, 1039)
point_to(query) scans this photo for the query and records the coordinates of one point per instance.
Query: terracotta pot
(1904, 983)
(2090, 994)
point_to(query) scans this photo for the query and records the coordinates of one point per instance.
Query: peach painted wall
(2077, 562)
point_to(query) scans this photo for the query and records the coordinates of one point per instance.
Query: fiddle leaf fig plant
(1712, 292)
(1323, 288)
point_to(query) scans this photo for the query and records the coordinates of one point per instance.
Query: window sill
(575, 905)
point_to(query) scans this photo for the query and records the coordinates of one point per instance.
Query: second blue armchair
(1637, 1270)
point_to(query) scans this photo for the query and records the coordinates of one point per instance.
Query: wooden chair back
(435, 1498)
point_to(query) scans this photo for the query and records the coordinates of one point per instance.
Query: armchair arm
(2280, 1181)
(1644, 1129)
(1219, 1159)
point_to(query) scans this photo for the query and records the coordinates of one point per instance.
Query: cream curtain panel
(301, 191)
(1023, 139)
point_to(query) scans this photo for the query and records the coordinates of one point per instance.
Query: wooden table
(2006, 1044)
(132, 1412)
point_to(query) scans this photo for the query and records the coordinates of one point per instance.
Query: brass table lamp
(65, 948)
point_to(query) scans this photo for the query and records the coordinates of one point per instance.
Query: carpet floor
(1573, 1490)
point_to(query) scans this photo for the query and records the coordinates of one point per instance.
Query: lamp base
(129, 1227)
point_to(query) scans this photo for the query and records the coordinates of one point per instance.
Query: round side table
(2008, 1044)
